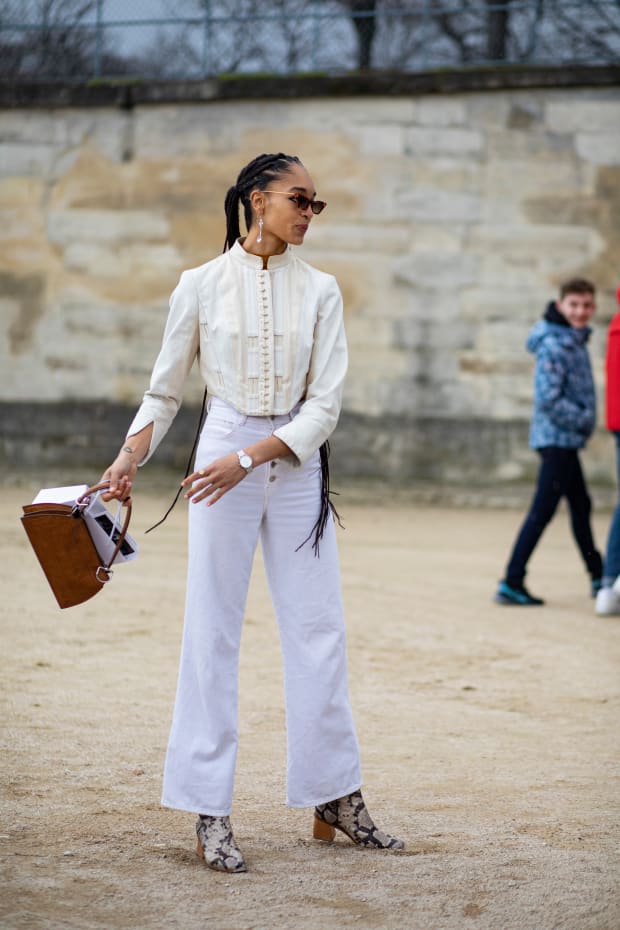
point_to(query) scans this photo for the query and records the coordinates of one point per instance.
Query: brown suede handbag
(61, 539)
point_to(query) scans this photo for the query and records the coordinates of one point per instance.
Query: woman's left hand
(213, 481)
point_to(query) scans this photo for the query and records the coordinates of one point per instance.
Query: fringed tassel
(190, 463)
(327, 509)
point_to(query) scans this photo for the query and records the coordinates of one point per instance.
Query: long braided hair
(259, 174)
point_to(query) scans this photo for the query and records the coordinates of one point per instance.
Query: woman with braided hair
(267, 329)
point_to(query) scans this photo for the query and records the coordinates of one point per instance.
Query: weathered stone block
(514, 241)
(601, 148)
(491, 111)
(380, 140)
(525, 113)
(438, 237)
(66, 226)
(582, 114)
(525, 145)
(137, 260)
(321, 112)
(186, 130)
(439, 206)
(24, 160)
(448, 172)
(437, 141)
(32, 127)
(441, 111)
(438, 272)
(513, 180)
(360, 239)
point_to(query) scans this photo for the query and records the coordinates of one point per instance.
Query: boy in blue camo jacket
(563, 420)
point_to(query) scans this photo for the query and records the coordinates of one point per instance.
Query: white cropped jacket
(266, 340)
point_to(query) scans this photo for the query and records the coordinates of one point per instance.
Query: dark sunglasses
(302, 202)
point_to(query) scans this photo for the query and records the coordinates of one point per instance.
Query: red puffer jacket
(613, 372)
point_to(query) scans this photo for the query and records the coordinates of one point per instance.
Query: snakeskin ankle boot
(217, 846)
(350, 815)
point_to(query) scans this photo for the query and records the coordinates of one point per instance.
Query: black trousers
(560, 476)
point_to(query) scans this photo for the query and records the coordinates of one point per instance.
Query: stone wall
(452, 218)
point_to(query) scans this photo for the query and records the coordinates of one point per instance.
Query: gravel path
(489, 736)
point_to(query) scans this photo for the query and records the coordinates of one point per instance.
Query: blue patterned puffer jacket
(564, 395)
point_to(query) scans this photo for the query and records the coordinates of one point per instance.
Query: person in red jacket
(608, 598)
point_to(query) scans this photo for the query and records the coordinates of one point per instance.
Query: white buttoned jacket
(266, 340)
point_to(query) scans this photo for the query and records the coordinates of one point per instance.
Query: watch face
(245, 460)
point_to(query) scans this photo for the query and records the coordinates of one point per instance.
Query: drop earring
(260, 229)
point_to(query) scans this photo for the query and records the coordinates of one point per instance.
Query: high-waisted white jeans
(279, 504)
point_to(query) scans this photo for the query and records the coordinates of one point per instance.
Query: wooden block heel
(200, 851)
(323, 831)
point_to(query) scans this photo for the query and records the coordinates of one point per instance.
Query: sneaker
(516, 595)
(607, 602)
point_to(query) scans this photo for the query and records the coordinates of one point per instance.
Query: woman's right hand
(120, 474)
(123, 469)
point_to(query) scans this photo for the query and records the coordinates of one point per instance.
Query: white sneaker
(608, 601)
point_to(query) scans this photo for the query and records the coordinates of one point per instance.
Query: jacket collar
(239, 254)
(553, 315)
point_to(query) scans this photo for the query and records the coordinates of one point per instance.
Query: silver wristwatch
(245, 461)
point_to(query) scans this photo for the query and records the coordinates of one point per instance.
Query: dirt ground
(489, 741)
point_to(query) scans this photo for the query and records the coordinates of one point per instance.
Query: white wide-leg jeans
(277, 503)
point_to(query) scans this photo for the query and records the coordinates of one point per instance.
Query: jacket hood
(554, 325)
(553, 315)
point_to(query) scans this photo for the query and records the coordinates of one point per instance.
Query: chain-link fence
(189, 39)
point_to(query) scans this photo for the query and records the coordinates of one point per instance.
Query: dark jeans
(560, 476)
(612, 556)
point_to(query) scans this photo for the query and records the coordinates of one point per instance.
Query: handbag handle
(121, 539)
